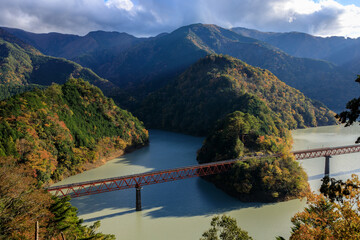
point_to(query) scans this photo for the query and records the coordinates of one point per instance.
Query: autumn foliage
(22, 203)
(327, 219)
(267, 179)
(62, 130)
(46, 135)
(218, 85)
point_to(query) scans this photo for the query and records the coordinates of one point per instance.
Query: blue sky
(348, 2)
(151, 17)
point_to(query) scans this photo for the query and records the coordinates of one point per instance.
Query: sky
(151, 17)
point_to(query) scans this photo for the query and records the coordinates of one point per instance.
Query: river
(183, 209)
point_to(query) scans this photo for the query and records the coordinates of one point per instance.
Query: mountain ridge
(23, 66)
(217, 85)
(148, 64)
(306, 45)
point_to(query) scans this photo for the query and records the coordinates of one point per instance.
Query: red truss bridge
(143, 179)
(324, 152)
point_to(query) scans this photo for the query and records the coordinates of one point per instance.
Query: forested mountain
(65, 129)
(339, 50)
(144, 65)
(307, 75)
(52, 133)
(49, 134)
(218, 85)
(22, 68)
(274, 178)
(72, 46)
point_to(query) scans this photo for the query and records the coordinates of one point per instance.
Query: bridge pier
(138, 198)
(327, 166)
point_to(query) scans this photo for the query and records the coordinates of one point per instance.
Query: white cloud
(325, 18)
(296, 6)
(150, 17)
(120, 4)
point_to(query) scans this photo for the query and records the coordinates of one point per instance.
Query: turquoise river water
(183, 209)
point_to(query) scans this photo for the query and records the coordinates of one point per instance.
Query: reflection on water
(183, 209)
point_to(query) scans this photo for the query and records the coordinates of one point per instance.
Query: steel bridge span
(143, 179)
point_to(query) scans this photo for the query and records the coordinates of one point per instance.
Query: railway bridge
(138, 180)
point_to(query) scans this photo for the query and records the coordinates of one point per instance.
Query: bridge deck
(323, 152)
(138, 180)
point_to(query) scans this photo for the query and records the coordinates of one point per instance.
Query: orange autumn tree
(332, 215)
(22, 203)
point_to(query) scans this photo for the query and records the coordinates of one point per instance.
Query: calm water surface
(183, 209)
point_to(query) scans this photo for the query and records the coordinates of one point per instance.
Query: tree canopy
(352, 114)
(218, 85)
(23, 202)
(330, 216)
(46, 135)
(60, 129)
(268, 179)
(225, 228)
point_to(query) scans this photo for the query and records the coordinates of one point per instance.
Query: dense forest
(274, 178)
(50, 134)
(61, 130)
(23, 203)
(23, 68)
(217, 85)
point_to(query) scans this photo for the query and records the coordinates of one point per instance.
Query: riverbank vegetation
(46, 135)
(274, 178)
(333, 214)
(23, 203)
(225, 228)
(65, 129)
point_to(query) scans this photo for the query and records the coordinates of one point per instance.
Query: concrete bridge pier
(327, 166)
(138, 198)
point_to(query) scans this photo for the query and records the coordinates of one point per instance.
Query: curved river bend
(183, 209)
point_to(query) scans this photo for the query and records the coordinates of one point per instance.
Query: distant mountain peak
(6, 36)
(220, 84)
(106, 33)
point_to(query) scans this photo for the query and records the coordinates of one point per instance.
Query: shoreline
(100, 162)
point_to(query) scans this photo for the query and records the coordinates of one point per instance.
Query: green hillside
(143, 65)
(66, 129)
(187, 44)
(261, 180)
(22, 68)
(217, 85)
